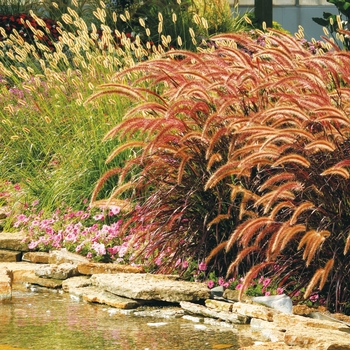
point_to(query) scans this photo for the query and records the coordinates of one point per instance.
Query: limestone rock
(17, 270)
(227, 316)
(36, 257)
(254, 311)
(95, 295)
(270, 346)
(290, 321)
(31, 278)
(315, 338)
(268, 329)
(5, 284)
(149, 287)
(63, 256)
(259, 324)
(70, 284)
(10, 255)
(13, 241)
(59, 272)
(231, 294)
(304, 310)
(218, 305)
(161, 313)
(89, 268)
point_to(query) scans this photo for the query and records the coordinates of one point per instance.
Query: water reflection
(54, 321)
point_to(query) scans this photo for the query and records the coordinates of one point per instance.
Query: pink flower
(239, 286)
(79, 247)
(221, 281)
(114, 211)
(122, 250)
(279, 291)
(99, 248)
(185, 264)
(98, 217)
(210, 284)
(202, 266)
(266, 282)
(114, 250)
(313, 298)
(33, 245)
(178, 262)
(267, 294)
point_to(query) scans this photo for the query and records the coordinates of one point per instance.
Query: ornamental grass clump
(241, 156)
(49, 141)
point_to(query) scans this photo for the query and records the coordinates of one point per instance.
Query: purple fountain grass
(242, 157)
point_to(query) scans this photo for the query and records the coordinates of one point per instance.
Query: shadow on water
(48, 320)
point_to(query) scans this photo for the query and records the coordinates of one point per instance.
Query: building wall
(292, 13)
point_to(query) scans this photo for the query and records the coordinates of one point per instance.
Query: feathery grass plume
(235, 150)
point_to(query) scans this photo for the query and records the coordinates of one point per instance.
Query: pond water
(46, 320)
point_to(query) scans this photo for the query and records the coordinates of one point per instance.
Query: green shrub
(242, 157)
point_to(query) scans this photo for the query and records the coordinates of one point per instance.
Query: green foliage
(336, 24)
(342, 5)
(12, 7)
(242, 156)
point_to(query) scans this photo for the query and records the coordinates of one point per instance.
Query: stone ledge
(287, 331)
(5, 284)
(88, 268)
(227, 316)
(271, 346)
(36, 257)
(13, 241)
(149, 287)
(10, 255)
(95, 295)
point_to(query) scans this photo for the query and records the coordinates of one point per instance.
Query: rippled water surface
(48, 320)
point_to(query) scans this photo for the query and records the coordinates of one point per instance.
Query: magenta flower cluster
(94, 233)
(259, 286)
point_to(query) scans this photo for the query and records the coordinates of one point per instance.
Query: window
(286, 2)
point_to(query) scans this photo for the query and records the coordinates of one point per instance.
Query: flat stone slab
(5, 285)
(72, 284)
(271, 346)
(10, 255)
(151, 287)
(59, 272)
(254, 311)
(23, 273)
(31, 278)
(95, 295)
(17, 269)
(314, 338)
(227, 316)
(63, 256)
(287, 321)
(36, 257)
(13, 241)
(90, 268)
